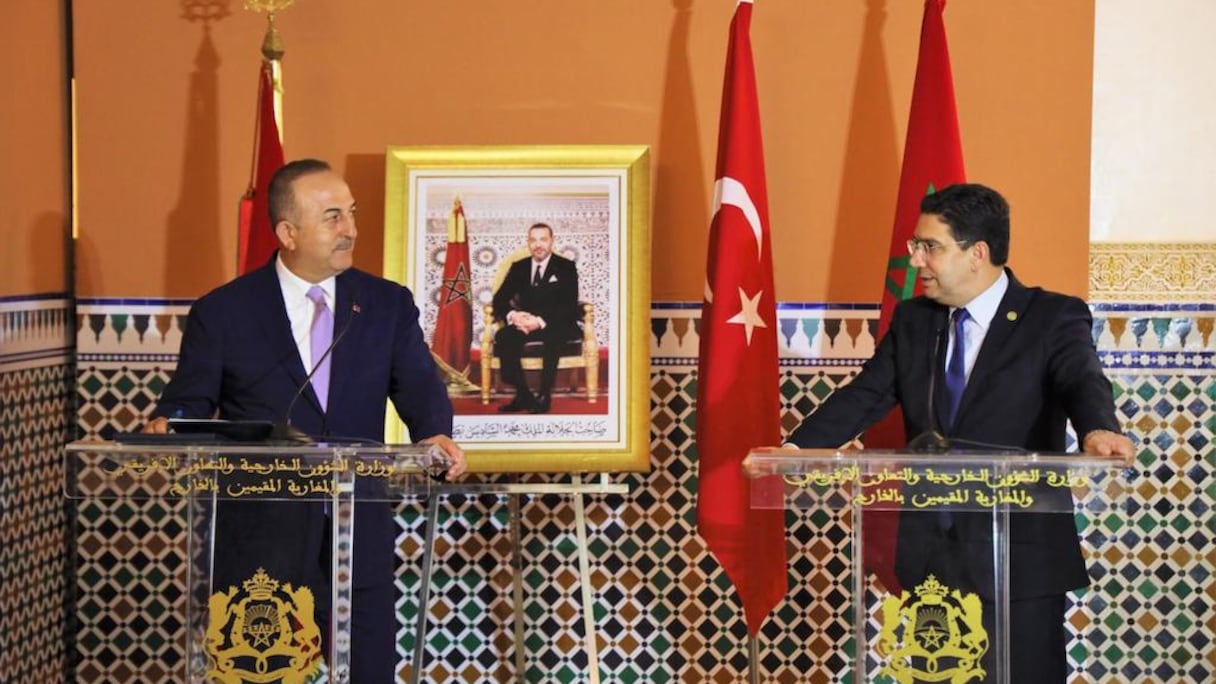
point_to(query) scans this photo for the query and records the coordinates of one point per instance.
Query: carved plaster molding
(1175, 272)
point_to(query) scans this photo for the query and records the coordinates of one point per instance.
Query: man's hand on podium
(455, 454)
(1107, 443)
(156, 426)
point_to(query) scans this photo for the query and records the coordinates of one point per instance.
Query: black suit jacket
(1036, 369)
(555, 299)
(238, 359)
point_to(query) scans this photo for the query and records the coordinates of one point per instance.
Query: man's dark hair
(974, 213)
(280, 197)
(538, 226)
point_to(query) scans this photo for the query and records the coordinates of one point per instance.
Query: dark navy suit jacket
(239, 361)
(1036, 369)
(555, 299)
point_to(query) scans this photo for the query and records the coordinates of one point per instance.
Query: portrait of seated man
(537, 302)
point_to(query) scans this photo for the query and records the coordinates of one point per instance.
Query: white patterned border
(808, 334)
(1152, 272)
(34, 332)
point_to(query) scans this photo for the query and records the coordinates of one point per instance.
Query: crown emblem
(261, 586)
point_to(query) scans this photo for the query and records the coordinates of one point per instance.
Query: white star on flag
(749, 315)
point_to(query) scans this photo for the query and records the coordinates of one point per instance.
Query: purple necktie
(320, 335)
(956, 367)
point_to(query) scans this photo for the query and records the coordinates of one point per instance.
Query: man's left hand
(1107, 443)
(458, 463)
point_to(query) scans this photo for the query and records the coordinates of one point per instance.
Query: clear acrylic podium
(268, 632)
(933, 631)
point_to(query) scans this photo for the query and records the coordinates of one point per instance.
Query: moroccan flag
(933, 158)
(738, 399)
(256, 240)
(454, 324)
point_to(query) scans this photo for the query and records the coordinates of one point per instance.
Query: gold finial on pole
(272, 50)
(272, 44)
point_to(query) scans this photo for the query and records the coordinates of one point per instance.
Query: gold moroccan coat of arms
(263, 632)
(938, 636)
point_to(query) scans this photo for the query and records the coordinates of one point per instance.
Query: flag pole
(272, 53)
(255, 237)
(753, 659)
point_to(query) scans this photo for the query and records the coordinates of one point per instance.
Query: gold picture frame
(596, 198)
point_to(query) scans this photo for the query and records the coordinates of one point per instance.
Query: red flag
(933, 158)
(454, 324)
(256, 240)
(738, 398)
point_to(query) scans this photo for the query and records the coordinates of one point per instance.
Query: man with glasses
(981, 358)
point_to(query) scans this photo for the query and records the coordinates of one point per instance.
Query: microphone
(284, 431)
(932, 441)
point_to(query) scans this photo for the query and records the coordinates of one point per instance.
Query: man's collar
(296, 286)
(983, 306)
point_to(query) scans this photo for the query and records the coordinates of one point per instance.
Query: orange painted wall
(167, 99)
(33, 166)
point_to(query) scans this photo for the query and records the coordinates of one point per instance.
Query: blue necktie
(956, 367)
(956, 382)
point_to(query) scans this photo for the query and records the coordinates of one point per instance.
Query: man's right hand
(525, 322)
(156, 426)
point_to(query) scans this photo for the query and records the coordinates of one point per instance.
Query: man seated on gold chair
(537, 301)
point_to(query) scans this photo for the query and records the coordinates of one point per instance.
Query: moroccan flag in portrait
(255, 239)
(454, 324)
(738, 399)
(933, 158)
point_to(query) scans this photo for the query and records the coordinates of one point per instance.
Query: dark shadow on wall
(195, 225)
(364, 174)
(679, 171)
(870, 177)
(49, 245)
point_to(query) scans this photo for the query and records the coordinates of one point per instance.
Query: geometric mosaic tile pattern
(1153, 564)
(664, 610)
(35, 421)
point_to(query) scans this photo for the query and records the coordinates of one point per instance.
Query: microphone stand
(285, 431)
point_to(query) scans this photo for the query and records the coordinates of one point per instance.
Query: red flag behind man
(933, 158)
(738, 400)
(256, 240)
(454, 324)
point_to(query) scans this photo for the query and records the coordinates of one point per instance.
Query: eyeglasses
(932, 247)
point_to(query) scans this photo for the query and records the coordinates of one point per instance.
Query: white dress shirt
(981, 311)
(300, 309)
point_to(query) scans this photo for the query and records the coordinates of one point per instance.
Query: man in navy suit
(1026, 365)
(247, 353)
(537, 301)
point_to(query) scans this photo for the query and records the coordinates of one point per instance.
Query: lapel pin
(1011, 316)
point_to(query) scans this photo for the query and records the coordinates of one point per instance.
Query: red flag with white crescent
(738, 399)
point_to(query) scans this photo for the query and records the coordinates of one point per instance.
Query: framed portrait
(530, 266)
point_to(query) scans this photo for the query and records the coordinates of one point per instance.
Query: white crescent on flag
(729, 191)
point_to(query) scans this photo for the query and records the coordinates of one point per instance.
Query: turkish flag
(454, 324)
(738, 399)
(933, 159)
(256, 240)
